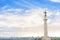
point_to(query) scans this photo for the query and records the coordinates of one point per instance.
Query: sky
(24, 18)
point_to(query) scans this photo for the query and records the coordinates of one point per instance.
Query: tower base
(43, 38)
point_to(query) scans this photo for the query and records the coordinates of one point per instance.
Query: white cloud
(30, 22)
(55, 1)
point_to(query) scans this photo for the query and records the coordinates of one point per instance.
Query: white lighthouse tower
(45, 37)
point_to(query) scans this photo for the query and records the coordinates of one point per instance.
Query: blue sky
(26, 3)
(25, 17)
